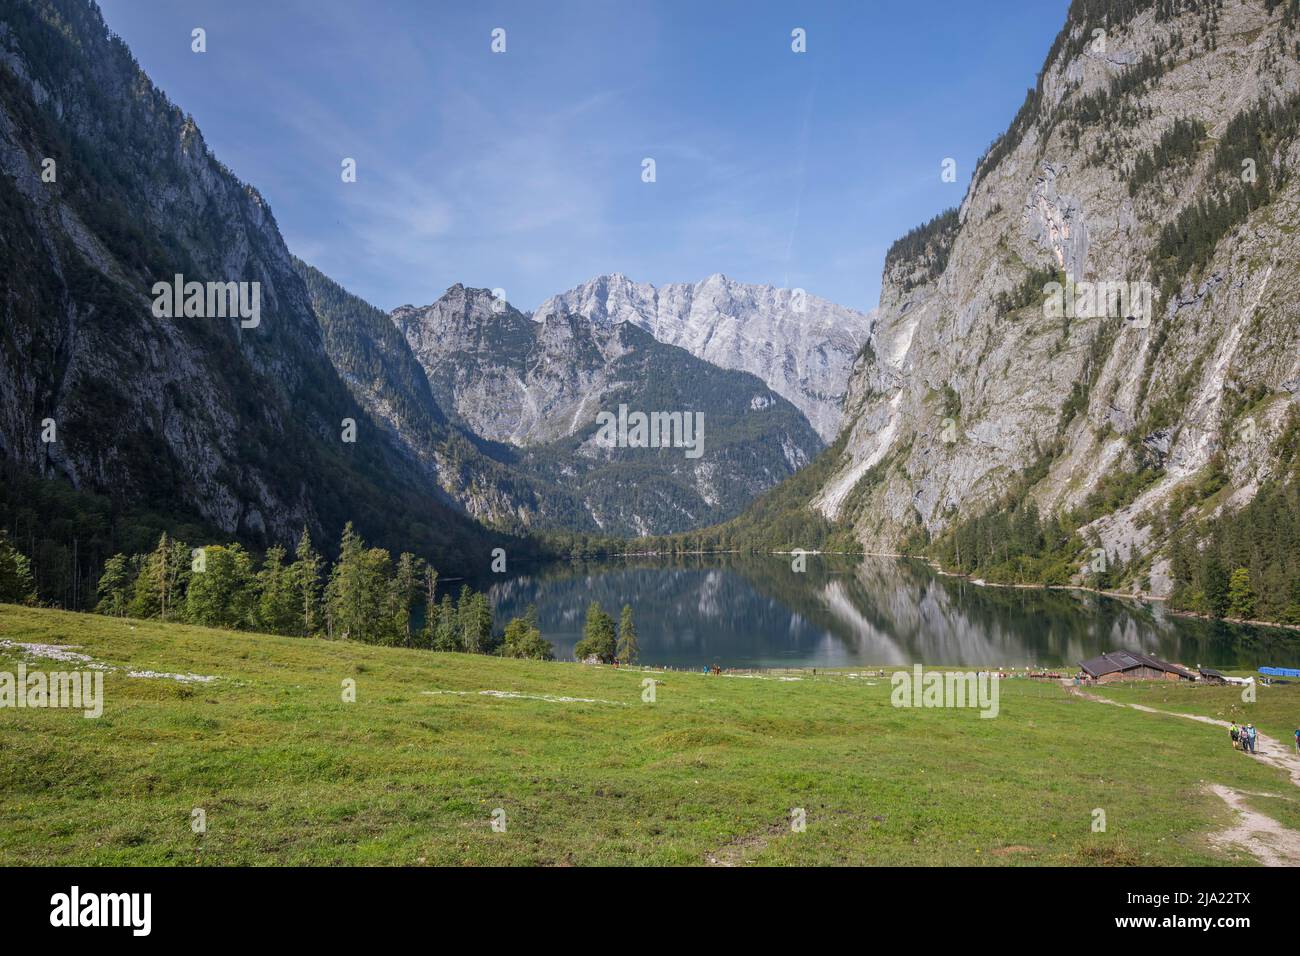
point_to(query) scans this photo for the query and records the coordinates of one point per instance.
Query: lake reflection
(754, 611)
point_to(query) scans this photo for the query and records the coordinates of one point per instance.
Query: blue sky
(522, 170)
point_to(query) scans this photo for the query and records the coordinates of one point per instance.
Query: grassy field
(287, 772)
(1275, 710)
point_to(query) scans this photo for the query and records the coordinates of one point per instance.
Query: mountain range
(1098, 339)
(502, 413)
(801, 345)
(326, 409)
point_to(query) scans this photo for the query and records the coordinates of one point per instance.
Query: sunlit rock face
(961, 387)
(800, 345)
(542, 387)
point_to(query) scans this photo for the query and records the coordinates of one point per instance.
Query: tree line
(364, 596)
(1244, 563)
(1241, 564)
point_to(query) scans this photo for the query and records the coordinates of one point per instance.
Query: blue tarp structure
(1280, 671)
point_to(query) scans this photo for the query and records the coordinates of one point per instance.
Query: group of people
(1245, 738)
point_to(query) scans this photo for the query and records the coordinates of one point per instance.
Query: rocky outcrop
(800, 345)
(537, 389)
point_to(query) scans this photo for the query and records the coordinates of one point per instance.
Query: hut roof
(1117, 661)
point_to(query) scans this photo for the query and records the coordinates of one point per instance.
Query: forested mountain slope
(107, 188)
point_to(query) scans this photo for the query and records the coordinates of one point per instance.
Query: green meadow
(1275, 709)
(578, 769)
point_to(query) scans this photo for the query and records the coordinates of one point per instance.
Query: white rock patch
(65, 654)
(179, 678)
(56, 652)
(551, 698)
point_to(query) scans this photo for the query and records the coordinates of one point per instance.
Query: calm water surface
(754, 611)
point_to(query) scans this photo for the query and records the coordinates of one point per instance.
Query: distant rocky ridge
(801, 345)
(537, 388)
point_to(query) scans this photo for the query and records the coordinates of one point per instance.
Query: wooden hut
(1128, 665)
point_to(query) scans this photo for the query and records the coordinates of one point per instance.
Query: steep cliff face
(801, 345)
(507, 378)
(375, 361)
(107, 188)
(1159, 147)
(537, 389)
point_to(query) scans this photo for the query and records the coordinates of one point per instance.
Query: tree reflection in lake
(755, 611)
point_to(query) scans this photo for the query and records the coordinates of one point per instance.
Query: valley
(367, 563)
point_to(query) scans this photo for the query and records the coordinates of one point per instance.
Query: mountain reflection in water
(755, 611)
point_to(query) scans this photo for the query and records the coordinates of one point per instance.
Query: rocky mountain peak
(800, 345)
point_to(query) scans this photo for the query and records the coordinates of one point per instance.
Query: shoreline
(1120, 595)
(979, 582)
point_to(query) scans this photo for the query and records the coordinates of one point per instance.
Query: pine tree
(16, 585)
(447, 637)
(160, 585)
(629, 651)
(277, 601)
(356, 596)
(598, 638)
(174, 563)
(475, 621)
(1215, 586)
(305, 575)
(429, 634)
(1241, 596)
(402, 594)
(115, 584)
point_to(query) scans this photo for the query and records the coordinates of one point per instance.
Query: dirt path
(1263, 837)
(1271, 752)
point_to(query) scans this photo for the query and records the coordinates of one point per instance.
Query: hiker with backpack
(1235, 733)
(1250, 738)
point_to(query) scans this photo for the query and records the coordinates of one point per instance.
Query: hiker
(1235, 734)
(1250, 737)
(1297, 740)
